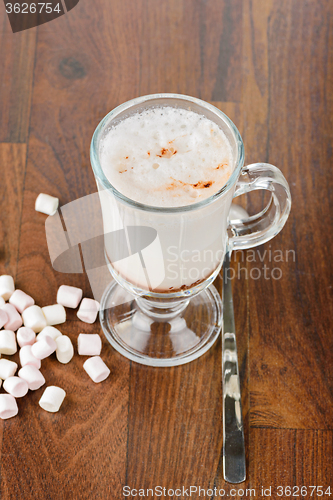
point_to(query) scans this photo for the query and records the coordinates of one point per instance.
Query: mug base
(157, 339)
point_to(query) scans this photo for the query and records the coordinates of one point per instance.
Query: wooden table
(268, 65)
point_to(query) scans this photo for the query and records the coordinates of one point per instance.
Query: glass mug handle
(262, 227)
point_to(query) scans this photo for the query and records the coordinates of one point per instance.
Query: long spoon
(234, 464)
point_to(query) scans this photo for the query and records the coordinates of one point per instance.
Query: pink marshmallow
(21, 300)
(96, 369)
(32, 376)
(88, 310)
(25, 336)
(43, 348)
(16, 386)
(3, 318)
(27, 358)
(14, 319)
(89, 344)
(69, 296)
(8, 406)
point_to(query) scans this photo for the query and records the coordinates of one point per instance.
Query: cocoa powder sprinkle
(167, 153)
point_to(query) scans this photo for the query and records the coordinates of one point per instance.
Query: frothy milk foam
(166, 157)
(169, 157)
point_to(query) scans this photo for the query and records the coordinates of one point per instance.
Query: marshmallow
(88, 310)
(52, 398)
(7, 342)
(54, 314)
(69, 296)
(89, 344)
(8, 406)
(16, 386)
(6, 286)
(34, 318)
(43, 348)
(96, 369)
(25, 336)
(27, 358)
(65, 349)
(32, 376)
(7, 368)
(49, 331)
(2, 301)
(3, 317)
(21, 300)
(14, 319)
(46, 204)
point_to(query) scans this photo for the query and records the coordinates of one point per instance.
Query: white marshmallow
(65, 349)
(14, 318)
(2, 301)
(52, 398)
(34, 318)
(8, 406)
(16, 386)
(32, 376)
(96, 369)
(27, 358)
(43, 348)
(89, 344)
(69, 296)
(7, 342)
(54, 314)
(21, 300)
(7, 286)
(3, 317)
(49, 331)
(46, 204)
(7, 368)
(88, 310)
(25, 336)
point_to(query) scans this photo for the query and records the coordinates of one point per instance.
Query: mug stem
(158, 333)
(161, 310)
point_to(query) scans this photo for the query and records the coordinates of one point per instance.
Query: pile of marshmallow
(21, 310)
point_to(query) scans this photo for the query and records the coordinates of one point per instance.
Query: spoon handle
(234, 464)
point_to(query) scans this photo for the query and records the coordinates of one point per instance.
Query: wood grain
(83, 447)
(16, 81)
(292, 459)
(291, 321)
(13, 163)
(267, 65)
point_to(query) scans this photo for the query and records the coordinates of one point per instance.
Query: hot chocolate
(166, 157)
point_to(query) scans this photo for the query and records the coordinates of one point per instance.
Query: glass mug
(162, 309)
